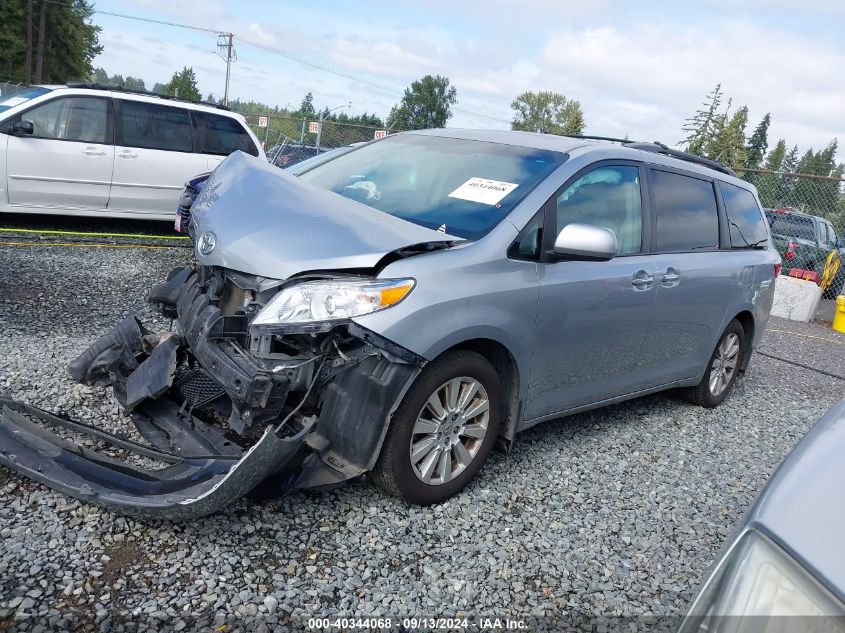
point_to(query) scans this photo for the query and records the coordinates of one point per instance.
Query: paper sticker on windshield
(483, 190)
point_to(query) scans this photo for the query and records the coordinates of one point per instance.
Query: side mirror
(23, 127)
(586, 242)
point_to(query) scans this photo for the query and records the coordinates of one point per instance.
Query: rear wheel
(443, 430)
(722, 369)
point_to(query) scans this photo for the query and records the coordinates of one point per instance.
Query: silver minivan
(399, 309)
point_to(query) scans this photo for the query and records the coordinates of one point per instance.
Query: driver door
(593, 316)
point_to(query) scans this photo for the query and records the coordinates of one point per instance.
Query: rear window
(457, 186)
(222, 135)
(687, 216)
(151, 126)
(790, 225)
(744, 217)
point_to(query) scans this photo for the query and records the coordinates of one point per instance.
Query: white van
(92, 150)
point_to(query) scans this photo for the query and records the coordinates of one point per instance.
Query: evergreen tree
(758, 144)
(183, 84)
(426, 103)
(728, 144)
(100, 76)
(306, 108)
(699, 128)
(769, 184)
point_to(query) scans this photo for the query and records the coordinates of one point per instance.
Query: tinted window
(222, 135)
(687, 217)
(460, 187)
(17, 97)
(608, 197)
(744, 217)
(153, 126)
(81, 119)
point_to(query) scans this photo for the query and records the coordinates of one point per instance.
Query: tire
(702, 394)
(466, 442)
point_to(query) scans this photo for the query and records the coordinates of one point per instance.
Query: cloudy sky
(638, 68)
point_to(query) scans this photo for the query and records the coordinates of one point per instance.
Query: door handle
(642, 280)
(127, 154)
(94, 151)
(671, 277)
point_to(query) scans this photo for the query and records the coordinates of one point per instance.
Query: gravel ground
(614, 512)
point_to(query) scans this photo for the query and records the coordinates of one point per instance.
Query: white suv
(86, 149)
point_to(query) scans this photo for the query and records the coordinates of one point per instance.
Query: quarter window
(151, 126)
(80, 119)
(608, 197)
(686, 212)
(222, 135)
(744, 216)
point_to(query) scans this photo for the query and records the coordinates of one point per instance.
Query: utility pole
(224, 41)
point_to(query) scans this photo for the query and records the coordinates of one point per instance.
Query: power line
(291, 56)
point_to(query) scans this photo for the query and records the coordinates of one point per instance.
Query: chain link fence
(289, 140)
(806, 214)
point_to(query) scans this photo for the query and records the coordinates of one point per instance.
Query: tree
(306, 108)
(769, 185)
(547, 112)
(728, 144)
(183, 84)
(700, 127)
(426, 103)
(133, 83)
(66, 44)
(758, 144)
(100, 76)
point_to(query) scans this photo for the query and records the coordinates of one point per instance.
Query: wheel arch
(746, 320)
(506, 367)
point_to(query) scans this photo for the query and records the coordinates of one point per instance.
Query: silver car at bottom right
(784, 571)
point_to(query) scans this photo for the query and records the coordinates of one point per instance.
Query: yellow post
(839, 315)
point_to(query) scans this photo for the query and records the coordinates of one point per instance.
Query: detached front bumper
(217, 421)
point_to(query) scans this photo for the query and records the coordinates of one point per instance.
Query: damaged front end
(222, 406)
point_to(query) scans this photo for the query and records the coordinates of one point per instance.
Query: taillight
(777, 269)
(791, 247)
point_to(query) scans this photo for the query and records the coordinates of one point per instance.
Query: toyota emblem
(207, 243)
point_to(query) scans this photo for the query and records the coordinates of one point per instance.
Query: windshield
(791, 225)
(22, 95)
(460, 187)
(308, 163)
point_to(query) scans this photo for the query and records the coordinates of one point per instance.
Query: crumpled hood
(269, 223)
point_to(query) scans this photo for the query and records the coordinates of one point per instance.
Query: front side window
(456, 186)
(745, 219)
(152, 126)
(81, 119)
(687, 215)
(220, 135)
(608, 197)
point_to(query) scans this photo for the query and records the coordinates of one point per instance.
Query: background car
(94, 150)
(806, 241)
(785, 568)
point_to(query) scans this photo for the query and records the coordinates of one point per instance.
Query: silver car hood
(269, 223)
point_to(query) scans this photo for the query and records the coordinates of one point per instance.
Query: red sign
(262, 121)
(380, 134)
(314, 127)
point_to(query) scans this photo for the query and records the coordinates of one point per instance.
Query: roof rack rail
(661, 148)
(91, 85)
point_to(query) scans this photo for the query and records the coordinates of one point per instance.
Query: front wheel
(722, 369)
(443, 430)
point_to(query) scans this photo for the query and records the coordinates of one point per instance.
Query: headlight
(757, 581)
(331, 300)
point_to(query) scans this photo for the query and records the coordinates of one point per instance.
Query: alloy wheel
(449, 430)
(724, 364)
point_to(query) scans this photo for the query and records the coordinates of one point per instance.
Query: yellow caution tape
(831, 267)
